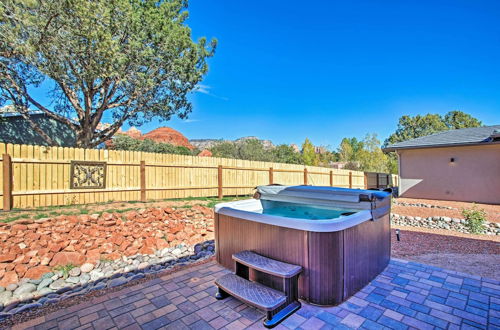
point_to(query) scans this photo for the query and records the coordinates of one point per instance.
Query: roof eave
(390, 149)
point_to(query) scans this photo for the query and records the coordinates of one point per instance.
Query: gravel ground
(492, 211)
(472, 254)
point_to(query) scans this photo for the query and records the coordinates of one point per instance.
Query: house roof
(456, 137)
(15, 129)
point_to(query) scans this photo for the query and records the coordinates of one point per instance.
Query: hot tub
(341, 237)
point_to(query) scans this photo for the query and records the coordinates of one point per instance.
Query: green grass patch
(40, 216)
(10, 219)
(64, 269)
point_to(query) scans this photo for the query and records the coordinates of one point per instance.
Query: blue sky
(287, 70)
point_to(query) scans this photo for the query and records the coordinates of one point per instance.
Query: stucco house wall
(474, 176)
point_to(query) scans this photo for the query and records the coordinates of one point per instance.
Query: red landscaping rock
(36, 272)
(93, 256)
(67, 258)
(7, 257)
(19, 227)
(20, 269)
(32, 248)
(9, 278)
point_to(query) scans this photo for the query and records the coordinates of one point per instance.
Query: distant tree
(225, 150)
(309, 156)
(371, 157)
(458, 119)
(392, 163)
(284, 153)
(129, 60)
(349, 152)
(124, 142)
(346, 152)
(253, 149)
(326, 157)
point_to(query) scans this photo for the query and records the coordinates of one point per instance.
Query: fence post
(271, 175)
(305, 176)
(388, 180)
(331, 178)
(7, 182)
(219, 182)
(143, 181)
(396, 180)
(378, 181)
(365, 175)
(350, 180)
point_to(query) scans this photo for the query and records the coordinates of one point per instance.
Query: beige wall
(473, 177)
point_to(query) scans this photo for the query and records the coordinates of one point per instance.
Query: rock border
(56, 287)
(431, 206)
(439, 222)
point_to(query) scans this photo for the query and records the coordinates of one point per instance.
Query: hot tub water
(302, 211)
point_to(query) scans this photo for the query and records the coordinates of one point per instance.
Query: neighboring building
(458, 165)
(15, 129)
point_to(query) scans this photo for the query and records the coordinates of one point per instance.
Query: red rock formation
(205, 153)
(133, 133)
(168, 135)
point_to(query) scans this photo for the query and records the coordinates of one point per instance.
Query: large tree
(458, 119)
(124, 60)
(418, 126)
(413, 127)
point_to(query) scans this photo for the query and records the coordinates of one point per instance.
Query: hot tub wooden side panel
(367, 250)
(326, 267)
(336, 264)
(285, 244)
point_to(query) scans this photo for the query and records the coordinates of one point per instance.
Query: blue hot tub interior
(302, 211)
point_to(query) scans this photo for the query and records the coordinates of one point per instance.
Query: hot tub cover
(322, 193)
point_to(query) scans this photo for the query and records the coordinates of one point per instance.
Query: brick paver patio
(406, 295)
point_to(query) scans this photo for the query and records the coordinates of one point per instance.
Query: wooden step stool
(277, 304)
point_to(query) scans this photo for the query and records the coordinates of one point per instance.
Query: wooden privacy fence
(38, 176)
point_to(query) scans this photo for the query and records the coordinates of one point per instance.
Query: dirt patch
(492, 211)
(472, 254)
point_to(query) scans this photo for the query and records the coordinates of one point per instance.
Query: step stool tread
(252, 293)
(267, 265)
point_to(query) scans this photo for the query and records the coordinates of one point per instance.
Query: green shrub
(475, 218)
(64, 269)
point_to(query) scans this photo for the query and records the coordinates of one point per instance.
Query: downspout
(399, 173)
